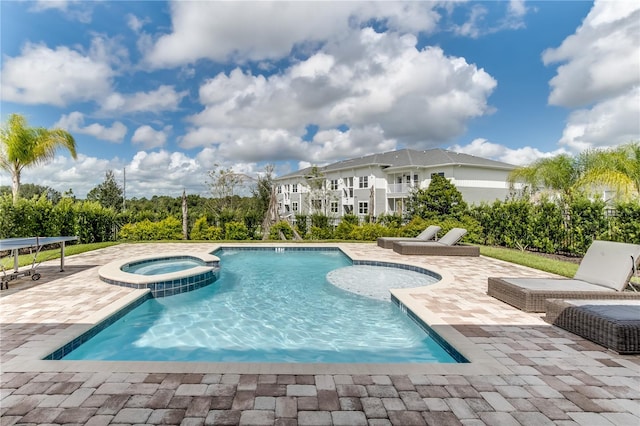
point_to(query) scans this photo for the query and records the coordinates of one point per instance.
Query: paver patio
(523, 371)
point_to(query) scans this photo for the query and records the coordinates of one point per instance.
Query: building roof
(403, 158)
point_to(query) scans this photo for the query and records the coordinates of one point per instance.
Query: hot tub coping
(112, 272)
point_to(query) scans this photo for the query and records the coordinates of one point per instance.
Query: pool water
(161, 266)
(267, 307)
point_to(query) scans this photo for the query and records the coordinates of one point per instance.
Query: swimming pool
(162, 265)
(268, 306)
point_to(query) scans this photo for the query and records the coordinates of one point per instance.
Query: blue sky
(171, 90)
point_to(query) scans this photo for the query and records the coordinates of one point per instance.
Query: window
(316, 204)
(437, 174)
(363, 207)
(287, 188)
(334, 207)
(279, 189)
(294, 206)
(415, 179)
(363, 182)
(294, 187)
(334, 184)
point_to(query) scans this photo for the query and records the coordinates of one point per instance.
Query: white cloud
(147, 174)
(136, 23)
(81, 11)
(223, 31)
(600, 72)
(164, 98)
(150, 138)
(74, 123)
(521, 156)
(478, 23)
(41, 75)
(612, 122)
(63, 173)
(378, 85)
(601, 60)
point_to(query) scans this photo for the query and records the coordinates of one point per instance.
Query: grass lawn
(44, 255)
(532, 260)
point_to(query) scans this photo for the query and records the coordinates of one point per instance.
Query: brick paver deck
(523, 371)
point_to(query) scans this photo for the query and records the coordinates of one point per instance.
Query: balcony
(399, 188)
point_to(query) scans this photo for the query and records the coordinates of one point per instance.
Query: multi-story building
(381, 183)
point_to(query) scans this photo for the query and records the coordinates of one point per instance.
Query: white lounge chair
(604, 273)
(430, 233)
(445, 246)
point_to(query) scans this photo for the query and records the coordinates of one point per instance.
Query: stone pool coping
(112, 271)
(479, 361)
(550, 376)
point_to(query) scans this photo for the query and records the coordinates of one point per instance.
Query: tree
(31, 190)
(440, 200)
(616, 169)
(108, 193)
(23, 146)
(557, 175)
(319, 195)
(223, 185)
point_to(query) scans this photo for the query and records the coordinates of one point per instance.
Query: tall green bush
(166, 229)
(624, 224)
(236, 231)
(201, 230)
(282, 226)
(301, 224)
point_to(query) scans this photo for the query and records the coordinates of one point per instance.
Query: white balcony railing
(399, 188)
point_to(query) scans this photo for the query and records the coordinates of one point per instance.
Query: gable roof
(404, 158)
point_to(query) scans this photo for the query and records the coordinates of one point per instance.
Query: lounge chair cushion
(608, 264)
(614, 324)
(615, 310)
(429, 233)
(453, 236)
(551, 284)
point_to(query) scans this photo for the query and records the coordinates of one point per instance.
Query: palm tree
(557, 174)
(617, 169)
(23, 146)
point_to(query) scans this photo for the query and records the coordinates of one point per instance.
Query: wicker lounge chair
(427, 235)
(445, 246)
(614, 324)
(604, 273)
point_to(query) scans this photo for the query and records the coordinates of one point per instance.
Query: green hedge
(166, 229)
(547, 227)
(88, 220)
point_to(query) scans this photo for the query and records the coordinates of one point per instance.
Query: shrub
(301, 224)
(414, 227)
(624, 226)
(282, 226)
(318, 233)
(370, 232)
(343, 230)
(236, 231)
(201, 230)
(166, 229)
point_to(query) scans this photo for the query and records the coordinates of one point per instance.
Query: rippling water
(267, 307)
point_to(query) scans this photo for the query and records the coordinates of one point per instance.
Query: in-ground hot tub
(163, 275)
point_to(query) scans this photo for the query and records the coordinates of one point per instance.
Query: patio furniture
(604, 272)
(445, 246)
(428, 234)
(614, 324)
